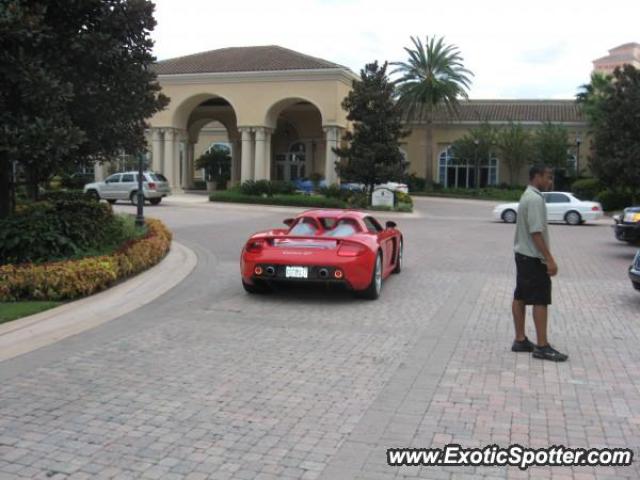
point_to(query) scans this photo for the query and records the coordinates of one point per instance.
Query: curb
(35, 331)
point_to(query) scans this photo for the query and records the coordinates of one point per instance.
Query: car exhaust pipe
(323, 273)
(270, 271)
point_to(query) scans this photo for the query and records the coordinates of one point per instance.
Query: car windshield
(344, 228)
(304, 227)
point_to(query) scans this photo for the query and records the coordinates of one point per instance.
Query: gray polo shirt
(532, 218)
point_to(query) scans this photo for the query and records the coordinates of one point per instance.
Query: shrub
(334, 191)
(76, 181)
(71, 279)
(266, 187)
(586, 188)
(402, 197)
(614, 200)
(53, 229)
(415, 183)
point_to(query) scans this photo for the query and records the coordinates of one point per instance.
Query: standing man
(534, 265)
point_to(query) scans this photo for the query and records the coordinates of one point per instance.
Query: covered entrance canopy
(281, 111)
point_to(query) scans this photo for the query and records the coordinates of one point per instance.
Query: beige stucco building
(627, 54)
(279, 112)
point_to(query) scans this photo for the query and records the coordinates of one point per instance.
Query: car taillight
(351, 250)
(151, 186)
(254, 246)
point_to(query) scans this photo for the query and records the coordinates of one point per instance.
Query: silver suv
(124, 186)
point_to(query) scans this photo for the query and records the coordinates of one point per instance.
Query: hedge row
(69, 279)
(312, 201)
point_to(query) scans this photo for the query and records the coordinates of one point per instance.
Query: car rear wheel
(509, 216)
(134, 198)
(155, 201)
(573, 218)
(399, 260)
(372, 292)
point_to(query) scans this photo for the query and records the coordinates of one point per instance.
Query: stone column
(267, 153)
(185, 147)
(235, 162)
(168, 160)
(259, 169)
(191, 165)
(308, 157)
(178, 160)
(99, 170)
(156, 149)
(331, 139)
(246, 170)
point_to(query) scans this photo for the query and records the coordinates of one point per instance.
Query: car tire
(372, 292)
(509, 216)
(133, 197)
(111, 201)
(399, 260)
(257, 287)
(155, 201)
(94, 194)
(572, 218)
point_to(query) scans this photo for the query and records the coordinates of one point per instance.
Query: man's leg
(518, 308)
(540, 320)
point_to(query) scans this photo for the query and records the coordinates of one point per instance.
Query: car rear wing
(310, 241)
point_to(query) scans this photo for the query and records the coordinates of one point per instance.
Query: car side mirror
(289, 221)
(390, 224)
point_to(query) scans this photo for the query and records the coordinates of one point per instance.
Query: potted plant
(216, 163)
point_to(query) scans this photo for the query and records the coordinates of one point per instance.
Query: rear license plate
(296, 272)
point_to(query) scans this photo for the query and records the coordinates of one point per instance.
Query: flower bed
(69, 279)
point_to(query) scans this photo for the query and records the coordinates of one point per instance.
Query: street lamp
(140, 213)
(476, 142)
(578, 142)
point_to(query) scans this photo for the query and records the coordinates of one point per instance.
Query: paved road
(208, 382)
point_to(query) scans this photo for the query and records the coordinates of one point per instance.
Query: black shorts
(533, 284)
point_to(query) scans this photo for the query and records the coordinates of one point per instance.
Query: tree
(432, 78)
(372, 154)
(476, 148)
(592, 94)
(77, 84)
(217, 163)
(514, 148)
(551, 145)
(616, 123)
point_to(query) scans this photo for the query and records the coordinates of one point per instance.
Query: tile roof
(565, 111)
(242, 59)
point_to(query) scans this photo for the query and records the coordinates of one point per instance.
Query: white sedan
(561, 207)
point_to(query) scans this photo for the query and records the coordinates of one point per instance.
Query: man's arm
(541, 245)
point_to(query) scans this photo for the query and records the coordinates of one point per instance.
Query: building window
(455, 175)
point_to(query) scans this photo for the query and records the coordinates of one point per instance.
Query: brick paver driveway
(208, 382)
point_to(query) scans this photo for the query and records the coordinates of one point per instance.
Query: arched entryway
(301, 146)
(203, 119)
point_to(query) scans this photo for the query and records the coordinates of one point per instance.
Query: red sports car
(337, 246)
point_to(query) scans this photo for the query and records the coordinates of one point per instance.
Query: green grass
(292, 200)
(14, 310)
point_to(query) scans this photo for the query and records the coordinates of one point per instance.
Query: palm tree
(433, 77)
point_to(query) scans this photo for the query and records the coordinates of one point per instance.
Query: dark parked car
(634, 271)
(627, 225)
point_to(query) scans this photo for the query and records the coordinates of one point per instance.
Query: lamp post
(578, 142)
(476, 181)
(140, 212)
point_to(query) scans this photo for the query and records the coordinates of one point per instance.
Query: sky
(534, 49)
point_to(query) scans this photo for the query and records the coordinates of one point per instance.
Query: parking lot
(209, 382)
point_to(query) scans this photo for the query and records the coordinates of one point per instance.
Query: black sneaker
(549, 353)
(525, 345)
